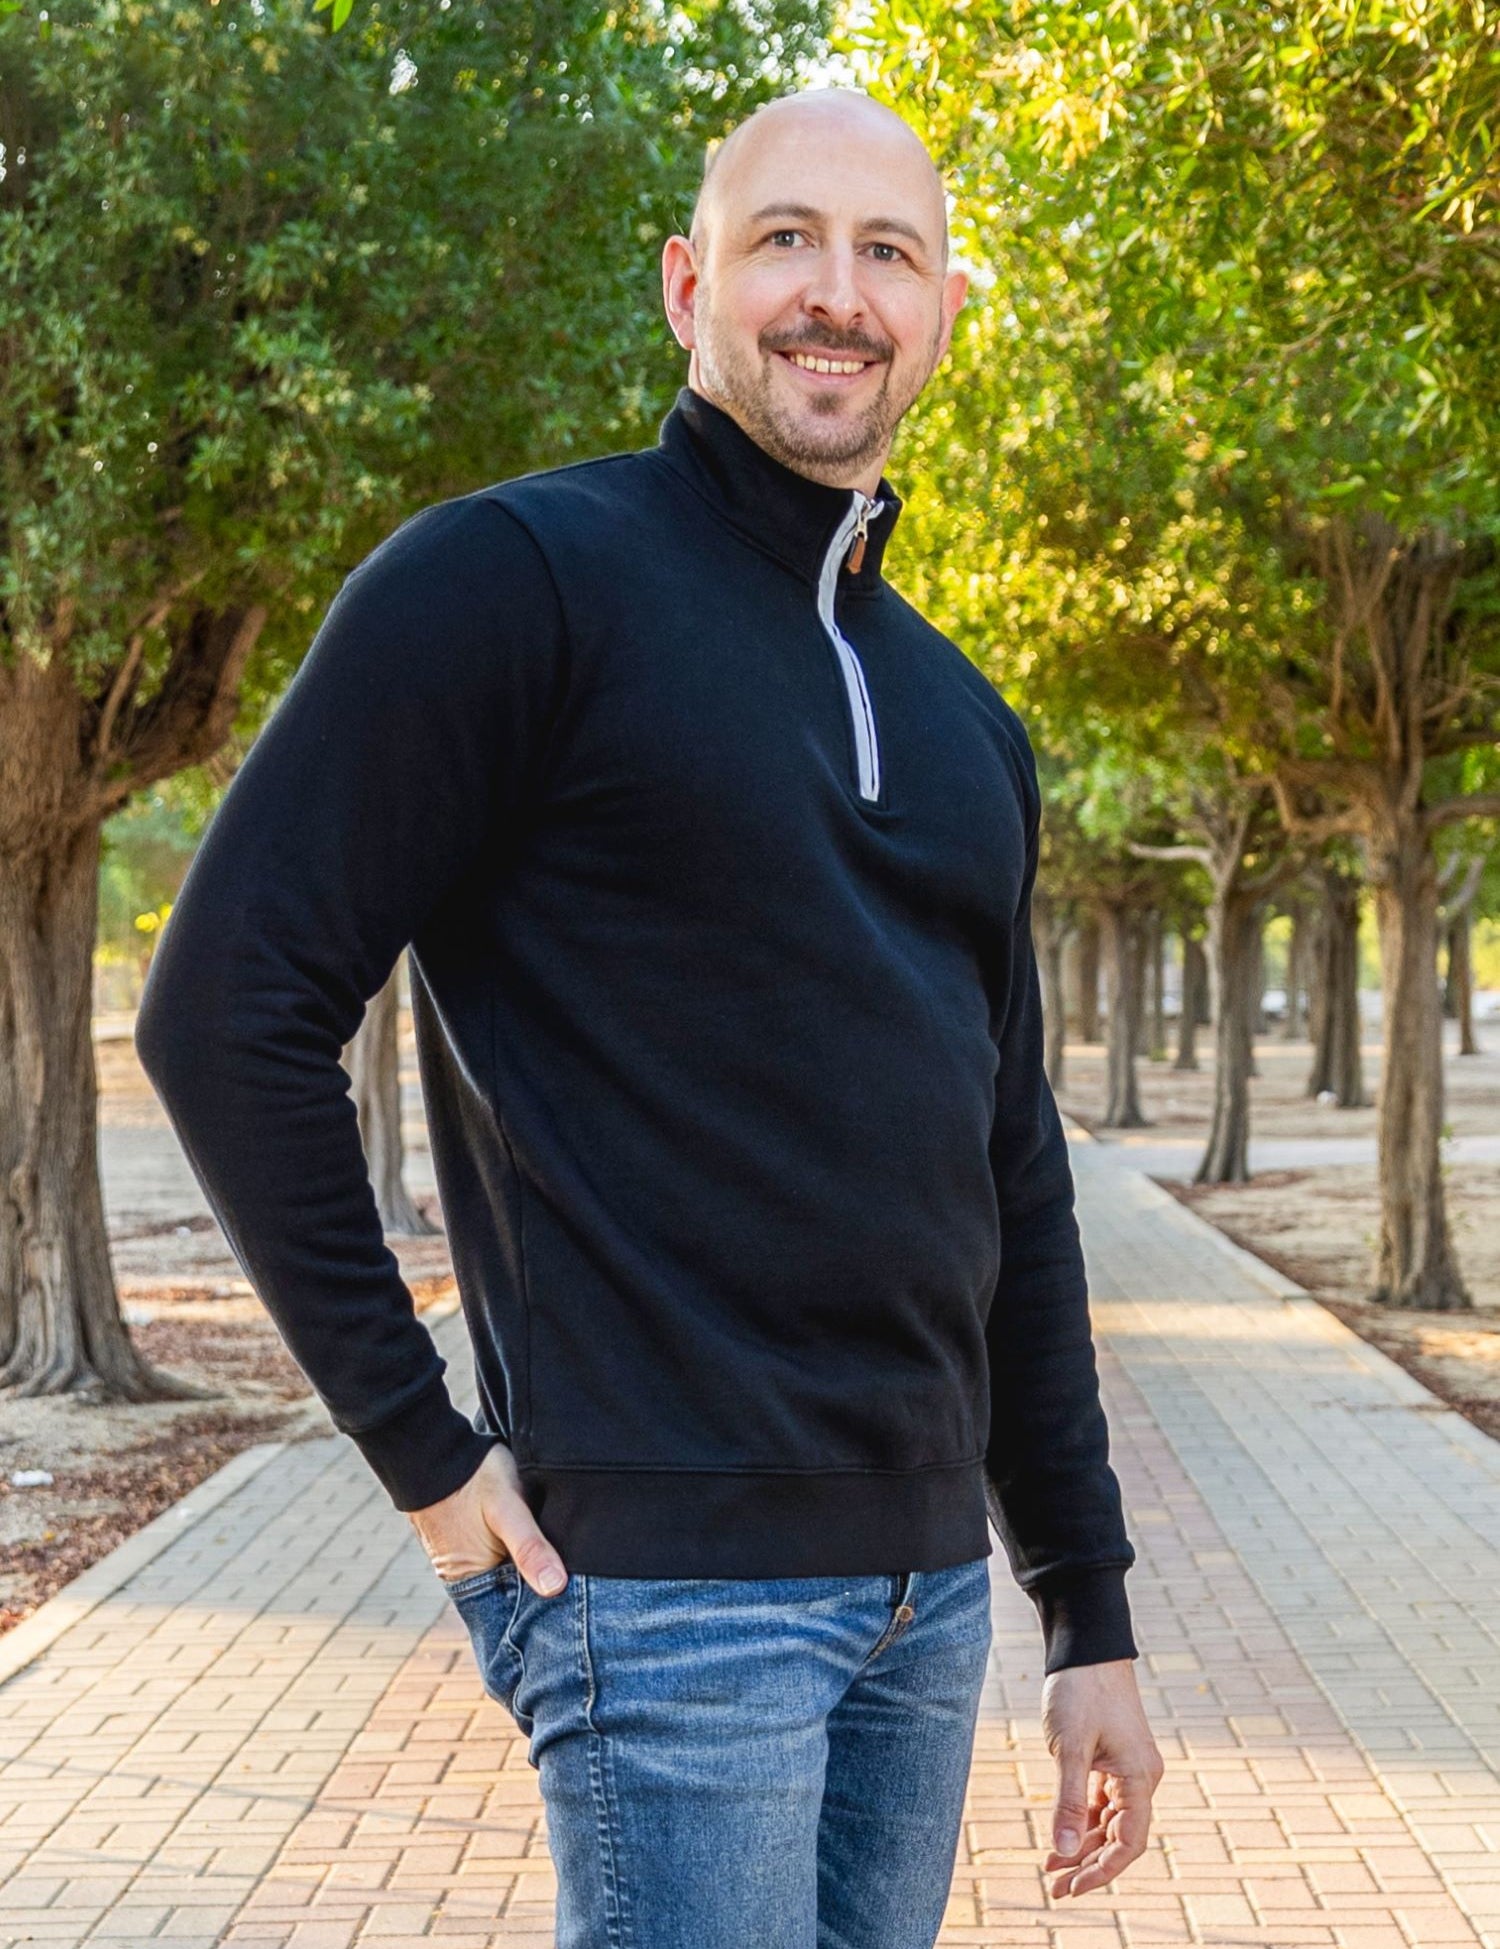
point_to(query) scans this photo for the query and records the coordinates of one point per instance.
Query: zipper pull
(857, 548)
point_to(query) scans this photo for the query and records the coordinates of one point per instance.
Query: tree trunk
(1415, 1265)
(1194, 981)
(1392, 599)
(1211, 964)
(1121, 962)
(1140, 964)
(1205, 992)
(61, 1331)
(1070, 982)
(373, 1062)
(1234, 931)
(1337, 1064)
(1257, 979)
(1088, 979)
(1157, 938)
(1458, 995)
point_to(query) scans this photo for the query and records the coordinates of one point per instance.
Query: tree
(1094, 801)
(1268, 237)
(1194, 986)
(260, 296)
(1237, 841)
(1338, 1062)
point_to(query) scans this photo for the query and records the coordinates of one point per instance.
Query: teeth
(811, 364)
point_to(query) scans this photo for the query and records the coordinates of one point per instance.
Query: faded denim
(743, 1763)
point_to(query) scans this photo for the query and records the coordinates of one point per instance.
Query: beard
(820, 432)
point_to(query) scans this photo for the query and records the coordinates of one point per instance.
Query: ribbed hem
(683, 1523)
(424, 1451)
(1085, 1617)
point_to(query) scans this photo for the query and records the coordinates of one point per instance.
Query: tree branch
(1452, 812)
(1315, 828)
(127, 671)
(192, 713)
(1199, 853)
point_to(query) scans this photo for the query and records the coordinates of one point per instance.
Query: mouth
(827, 370)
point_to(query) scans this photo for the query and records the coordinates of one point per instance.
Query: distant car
(1273, 1004)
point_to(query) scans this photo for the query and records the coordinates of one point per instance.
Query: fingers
(1092, 1716)
(1118, 1837)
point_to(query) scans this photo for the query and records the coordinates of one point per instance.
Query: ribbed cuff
(1085, 1617)
(425, 1450)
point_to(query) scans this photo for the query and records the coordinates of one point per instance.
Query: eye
(894, 248)
(776, 235)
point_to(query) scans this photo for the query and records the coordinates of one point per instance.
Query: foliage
(262, 294)
(1238, 272)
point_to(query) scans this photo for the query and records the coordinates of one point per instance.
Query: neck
(864, 474)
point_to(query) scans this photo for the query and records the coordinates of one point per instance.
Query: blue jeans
(728, 1762)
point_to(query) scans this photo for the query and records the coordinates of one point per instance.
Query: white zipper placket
(849, 539)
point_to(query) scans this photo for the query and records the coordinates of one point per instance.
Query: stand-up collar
(789, 515)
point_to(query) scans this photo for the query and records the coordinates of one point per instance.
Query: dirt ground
(1318, 1222)
(191, 1311)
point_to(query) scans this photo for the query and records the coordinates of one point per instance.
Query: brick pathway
(269, 1733)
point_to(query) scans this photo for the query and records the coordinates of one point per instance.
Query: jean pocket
(487, 1602)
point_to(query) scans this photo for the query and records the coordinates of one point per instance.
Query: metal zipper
(861, 711)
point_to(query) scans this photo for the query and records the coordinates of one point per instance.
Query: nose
(832, 292)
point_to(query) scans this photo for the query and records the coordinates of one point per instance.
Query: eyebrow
(805, 213)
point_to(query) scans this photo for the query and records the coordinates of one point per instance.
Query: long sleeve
(1053, 1497)
(393, 769)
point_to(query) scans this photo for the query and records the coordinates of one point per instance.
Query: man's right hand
(488, 1521)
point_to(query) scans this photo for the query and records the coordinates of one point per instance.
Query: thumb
(534, 1556)
(508, 1518)
(1070, 1811)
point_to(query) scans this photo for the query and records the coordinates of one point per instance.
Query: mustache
(859, 349)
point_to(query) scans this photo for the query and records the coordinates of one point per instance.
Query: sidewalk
(271, 1733)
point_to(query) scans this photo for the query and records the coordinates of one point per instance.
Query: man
(715, 861)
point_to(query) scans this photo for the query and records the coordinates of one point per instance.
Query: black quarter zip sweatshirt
(714, 860)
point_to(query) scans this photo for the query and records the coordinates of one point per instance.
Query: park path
(259, 1723)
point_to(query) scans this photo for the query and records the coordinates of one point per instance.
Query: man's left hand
(1108, 1768)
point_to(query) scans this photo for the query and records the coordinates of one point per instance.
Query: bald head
(832, 121)
(813, 291)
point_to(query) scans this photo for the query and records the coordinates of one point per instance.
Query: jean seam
(602, 1783)
(509, 1641)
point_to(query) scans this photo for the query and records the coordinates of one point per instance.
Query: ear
(679, 287)
(955, 291)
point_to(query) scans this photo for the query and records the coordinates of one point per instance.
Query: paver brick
(275, 1731)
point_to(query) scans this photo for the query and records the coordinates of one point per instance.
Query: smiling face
(814, 295)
